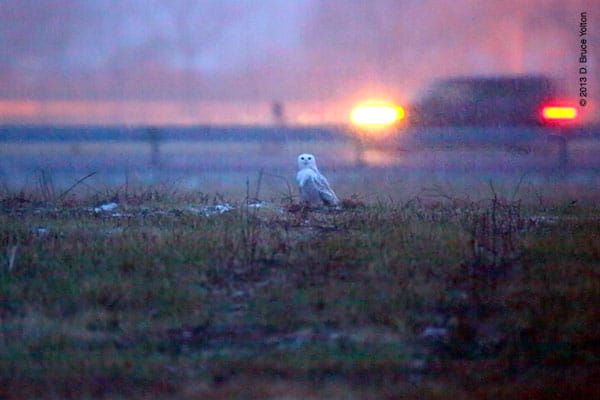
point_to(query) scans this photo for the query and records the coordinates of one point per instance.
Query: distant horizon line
(170, 125)
(171, 112)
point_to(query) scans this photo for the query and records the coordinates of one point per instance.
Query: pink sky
(210, 61)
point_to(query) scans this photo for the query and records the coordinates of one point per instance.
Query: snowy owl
(314, 188)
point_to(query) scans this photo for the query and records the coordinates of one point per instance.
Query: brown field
(466, 274)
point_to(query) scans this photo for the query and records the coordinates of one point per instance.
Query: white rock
(436, 333)
(106, 207)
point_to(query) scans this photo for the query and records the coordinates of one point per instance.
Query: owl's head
(306, 160)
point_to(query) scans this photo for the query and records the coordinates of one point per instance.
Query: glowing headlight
(376, 114)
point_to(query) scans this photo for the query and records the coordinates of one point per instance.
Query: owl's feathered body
(313, 187)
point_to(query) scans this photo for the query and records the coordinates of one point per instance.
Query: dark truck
(503, 101)
(519, 112)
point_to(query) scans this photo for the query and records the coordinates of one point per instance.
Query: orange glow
(140, 112)
(376, 114)
(23, 109)
(554, 113)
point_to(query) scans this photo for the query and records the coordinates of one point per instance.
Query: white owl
(313, 187)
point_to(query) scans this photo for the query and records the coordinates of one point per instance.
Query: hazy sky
(222, 61)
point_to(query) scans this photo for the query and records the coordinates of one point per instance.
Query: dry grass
(433, 297)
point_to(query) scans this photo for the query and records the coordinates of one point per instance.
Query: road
(225, 166)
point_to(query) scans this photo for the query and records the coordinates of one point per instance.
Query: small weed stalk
(46, 185)
(73, 186)
(249, 229)
(494, 233)
(249, 234)
(11, 255)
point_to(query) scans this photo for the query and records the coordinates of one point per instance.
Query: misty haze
(156, 242)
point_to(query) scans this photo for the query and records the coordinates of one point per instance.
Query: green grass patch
(162, 299)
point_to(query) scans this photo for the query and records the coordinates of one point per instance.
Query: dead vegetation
(427, 298)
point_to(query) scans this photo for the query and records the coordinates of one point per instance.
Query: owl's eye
(310, 158)
(302, 158)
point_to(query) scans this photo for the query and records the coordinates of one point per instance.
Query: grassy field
(188, 295)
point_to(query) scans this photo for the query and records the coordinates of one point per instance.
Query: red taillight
(557, 114)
